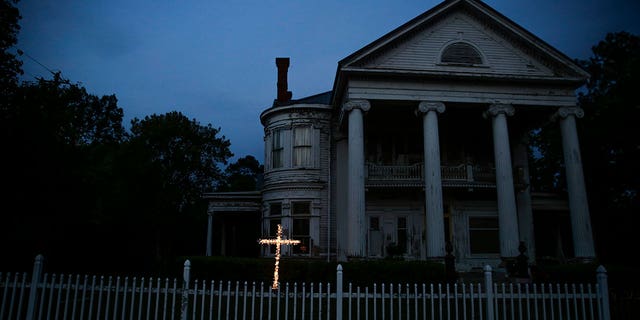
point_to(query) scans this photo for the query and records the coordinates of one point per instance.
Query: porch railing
(97, 297)
(415, 172)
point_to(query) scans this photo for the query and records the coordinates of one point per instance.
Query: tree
(243, 175)
(186, 153)
(56, 140)
(80, 190)
(610, 143)
(170, 161)
(10, 66)
(612, 109)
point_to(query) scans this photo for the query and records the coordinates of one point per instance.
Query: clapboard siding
(422, 51)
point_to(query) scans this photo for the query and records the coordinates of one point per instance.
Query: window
(277, 149)
(483, 235)
(374, 224)
(402, 234)
(273, 227)
(301, 208)
(275, 209)
(376, 238)
(273, 232)
(302, 147)
(273, 218)
(301, 212)
(461, 53)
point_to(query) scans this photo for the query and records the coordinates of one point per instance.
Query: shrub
(359, 273)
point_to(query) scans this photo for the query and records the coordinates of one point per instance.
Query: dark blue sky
(214, 60)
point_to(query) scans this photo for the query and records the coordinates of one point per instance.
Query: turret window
(301, 211)
(302, 147)
(277, 149)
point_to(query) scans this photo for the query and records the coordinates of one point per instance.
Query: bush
(551, 272)
(618, 276)
(359, 273)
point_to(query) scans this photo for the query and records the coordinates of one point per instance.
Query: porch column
(578, 207)
(356, 231)
(507, 215)
(432, 180)
(210, 234)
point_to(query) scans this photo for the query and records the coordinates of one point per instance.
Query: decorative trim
(496, 109)
(568, 111)
(426, 106)
(363, 105)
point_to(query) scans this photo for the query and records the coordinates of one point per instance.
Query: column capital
(426, 106)
(564, 112)
(363, 105)
(496, 109)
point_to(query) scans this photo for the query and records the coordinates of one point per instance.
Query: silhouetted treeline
(90, 196)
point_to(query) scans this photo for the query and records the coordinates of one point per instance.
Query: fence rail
(98, 297)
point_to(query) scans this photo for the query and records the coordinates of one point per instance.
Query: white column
(507, 215)
(433, 180)
(210, 234)
(578, 207)
(355, 199)
(523, 199)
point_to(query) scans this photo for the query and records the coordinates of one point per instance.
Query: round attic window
(461, 53)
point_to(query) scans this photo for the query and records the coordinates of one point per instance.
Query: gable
(423, 51)
(507, 50)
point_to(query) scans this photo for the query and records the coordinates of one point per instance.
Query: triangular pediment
(506, 50)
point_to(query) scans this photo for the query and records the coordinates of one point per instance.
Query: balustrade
(415, 172)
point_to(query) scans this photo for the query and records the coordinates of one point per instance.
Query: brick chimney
(283, 94)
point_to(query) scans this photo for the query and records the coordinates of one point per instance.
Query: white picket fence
(98, 297)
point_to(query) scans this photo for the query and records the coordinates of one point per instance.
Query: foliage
(185, 153)
(56, 139)
(65, 113)
(309, 270)
(611, 134)
(550, 272)
(546, 162)
(243, 175)
(167, 163)
(610, 143)
(619, 276)
(83, 192)
(10, 66)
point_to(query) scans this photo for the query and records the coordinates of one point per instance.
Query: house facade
(421, 145)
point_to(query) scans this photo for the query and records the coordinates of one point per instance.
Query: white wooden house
(422, 141)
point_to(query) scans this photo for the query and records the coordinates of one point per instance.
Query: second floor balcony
(462, 175)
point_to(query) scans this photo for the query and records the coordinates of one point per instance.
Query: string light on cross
(278, 241)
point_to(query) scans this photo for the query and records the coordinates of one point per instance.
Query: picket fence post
(604, 292)
(488, 287)
(339, 292)
(184, 308)
(35, 279)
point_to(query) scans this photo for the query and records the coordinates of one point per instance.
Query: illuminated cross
(278, 241)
